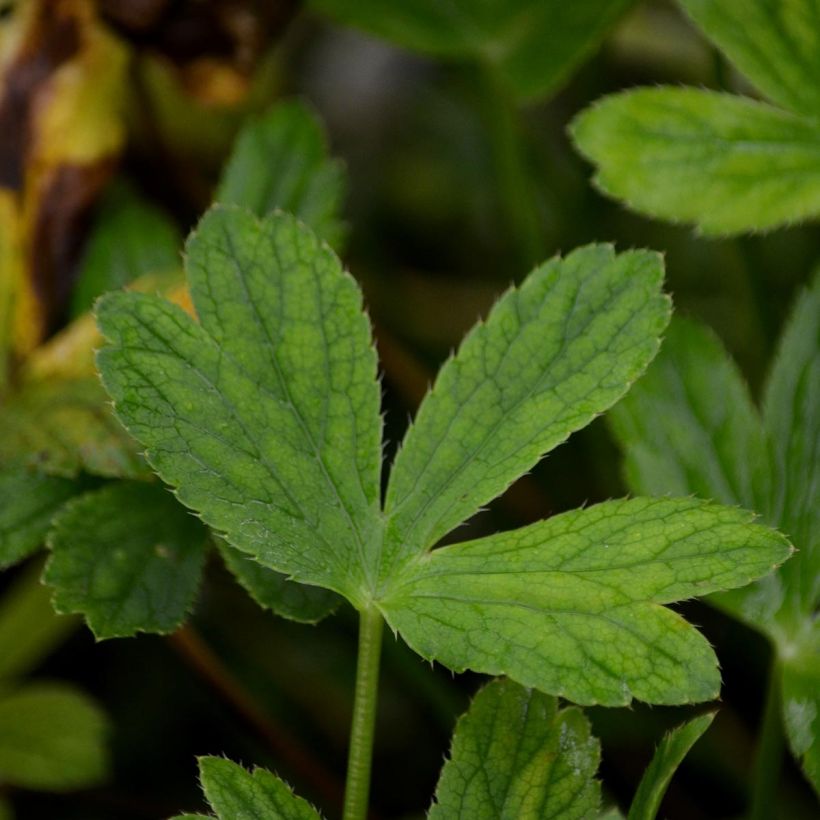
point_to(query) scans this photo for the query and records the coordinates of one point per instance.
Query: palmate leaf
(280, 160)
(265, 418)
(571, 605)
(723, 162)
(237, 794)
(689, 426)
(668, 756)
(533, 45)
(516, 755)
(775, 43)
(128, 557)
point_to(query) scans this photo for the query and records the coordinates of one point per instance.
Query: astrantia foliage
(264, 415)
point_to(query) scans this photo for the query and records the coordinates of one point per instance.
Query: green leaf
(129, 239)
(274, 591)
(724, 163)
(236, 794)
(791, 413)
(516, 755)
(800, 691)
(668, 756)
(192, 817)
(552, 355)
(6, 812)
(64, 427)
(51, 738)
(613, 813)
(533, 45)
(266, 415)
(572, 605)
(128, 557)
(29, 629)
(776, 44)
(28, 501)
(280, 161)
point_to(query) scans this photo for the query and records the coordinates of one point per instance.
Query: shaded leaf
(533, 45)
(571, 605)
(516, 755)
(28, 502)
(551, 355)
(52, 737)
(668, 756)
(64, 427)
(274, 591)
(280, 161)
(128, 557)
(129, 239)
(283, 346)
(776, 44)
(236, 794)
(724, 163)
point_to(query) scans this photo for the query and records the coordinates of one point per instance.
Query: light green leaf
(236, 794)
(128, 557)
(775, 43)
(551, 356)
(29, 629)
(51, 738)
(129, 239)
(613, 813)
(515, 755)
(533, 45)
(791, 413)
(668, 756)
(280, 161)
(266, 415)
(572, 605)
(800, 691)
(722, 162)
(28, 501)
(64, 427)
(274, 591)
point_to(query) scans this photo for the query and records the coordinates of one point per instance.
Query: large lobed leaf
(533, 45)
(571, 605)
(689, 426)
(265, 415)
(723, 162)
(515, 755)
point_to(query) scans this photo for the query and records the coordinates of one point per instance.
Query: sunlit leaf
(128, 557)
(515, 754)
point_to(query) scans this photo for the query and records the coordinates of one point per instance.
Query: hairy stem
(357, 787)
(769, 760)
(514, 177)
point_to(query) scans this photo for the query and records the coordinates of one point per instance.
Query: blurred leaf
(64, 427)
(571, 605)
(272, 590)
(130, 238)
(29, 629)
(128, 557)
(689, 426)
(613, 813)
(775, 43)
(668, 756)
(550, 356)
(305, 500)
(52, 737)
(6, 812)
(724, 163)
(516, 755)
(236, 794)
(28, 501)
(534, 45)
(280, 160)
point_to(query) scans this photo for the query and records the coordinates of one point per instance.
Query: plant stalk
(769, 760)
(357, 786)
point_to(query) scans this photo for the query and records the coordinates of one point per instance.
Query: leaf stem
(357, 787)
(769, 760)
(514, 177)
